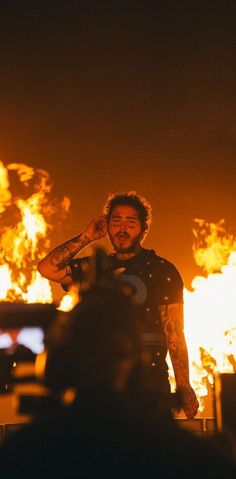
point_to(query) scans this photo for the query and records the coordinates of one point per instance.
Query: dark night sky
(110, 96)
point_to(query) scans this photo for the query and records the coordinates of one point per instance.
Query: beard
(130, 248)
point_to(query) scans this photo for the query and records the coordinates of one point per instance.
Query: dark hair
(130, 198)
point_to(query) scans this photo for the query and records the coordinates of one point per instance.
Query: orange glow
(210, 308)
(70, 299)
(24, 228)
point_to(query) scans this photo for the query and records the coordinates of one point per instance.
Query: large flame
(210, 308)
(25, 214)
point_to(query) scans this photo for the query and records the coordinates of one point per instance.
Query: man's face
(124, 229)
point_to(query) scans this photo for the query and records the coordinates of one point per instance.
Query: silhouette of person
(107, 430)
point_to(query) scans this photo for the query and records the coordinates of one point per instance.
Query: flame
(24, 232)
(70, 299)
(210, 308)
(212, 246)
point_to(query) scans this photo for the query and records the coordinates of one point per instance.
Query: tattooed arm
(172, 318)
(55, 266)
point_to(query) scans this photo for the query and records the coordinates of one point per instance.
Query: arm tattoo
(63, 254)
(172, 318)
(81, 241)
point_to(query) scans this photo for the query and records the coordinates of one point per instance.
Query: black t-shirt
(156, 282)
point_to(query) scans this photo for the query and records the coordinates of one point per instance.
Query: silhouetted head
(95, 346)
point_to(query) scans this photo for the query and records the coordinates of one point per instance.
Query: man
(158, 284)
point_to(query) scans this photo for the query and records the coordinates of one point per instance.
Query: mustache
(122, 235)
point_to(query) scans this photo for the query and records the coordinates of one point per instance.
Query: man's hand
(96, 229)
(189, 401)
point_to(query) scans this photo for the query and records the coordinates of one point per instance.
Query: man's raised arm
(55, 265)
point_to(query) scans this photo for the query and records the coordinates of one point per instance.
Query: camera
(22, 332)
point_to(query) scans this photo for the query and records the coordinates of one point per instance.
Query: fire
(212, 246)
(70, 299)
(24, 229)
(210, 308)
